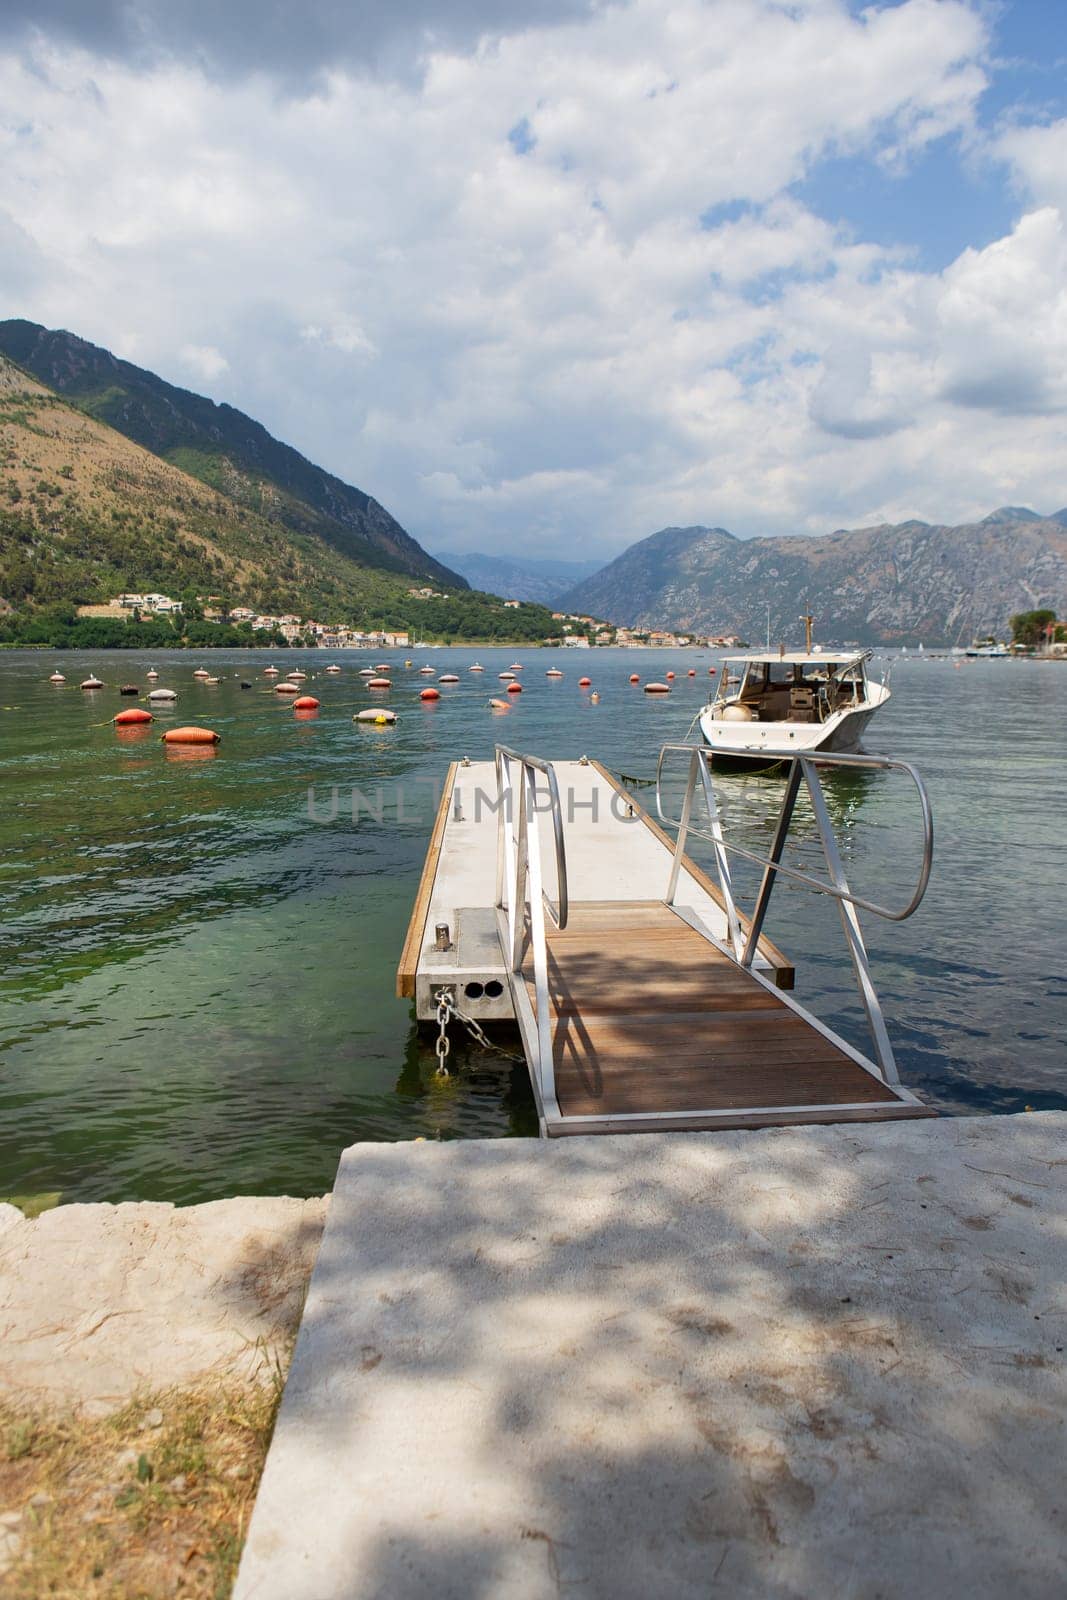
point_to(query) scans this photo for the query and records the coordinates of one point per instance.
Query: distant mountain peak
(1013, 514)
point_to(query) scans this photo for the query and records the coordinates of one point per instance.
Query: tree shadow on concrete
(807, 1362)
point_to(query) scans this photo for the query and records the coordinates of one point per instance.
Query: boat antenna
(807, 619)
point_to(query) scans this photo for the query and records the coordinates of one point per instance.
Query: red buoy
(514, 688)
(670, 675)
(307, 702)
(711, 672)
(634, 678)
(430, 694)
(583, 683)
(191, 736)
(692, 672)
(127, 719)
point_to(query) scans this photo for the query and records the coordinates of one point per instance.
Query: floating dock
(765, 1366)
(645, 999)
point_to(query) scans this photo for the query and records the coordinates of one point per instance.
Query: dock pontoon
(644, 997)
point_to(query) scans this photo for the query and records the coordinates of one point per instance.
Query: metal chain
(444, 1044)
(445, 1006)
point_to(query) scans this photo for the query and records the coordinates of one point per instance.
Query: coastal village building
(159, 604)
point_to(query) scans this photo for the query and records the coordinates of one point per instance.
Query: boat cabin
(794, 687)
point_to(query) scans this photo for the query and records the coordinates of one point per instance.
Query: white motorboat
(782, 703)
(988, 652)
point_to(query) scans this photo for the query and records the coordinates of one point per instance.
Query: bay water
(198, 950)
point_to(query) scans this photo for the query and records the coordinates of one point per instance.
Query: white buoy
(162, 694)
(91, 683)
(378, 715)
(57, 677)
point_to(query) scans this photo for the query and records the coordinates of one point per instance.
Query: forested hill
(222, 447)
(893, 583)
(86, 514)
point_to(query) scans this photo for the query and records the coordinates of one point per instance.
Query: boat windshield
(788, 689)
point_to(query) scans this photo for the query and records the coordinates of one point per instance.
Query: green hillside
(85, 513)
(225, 449)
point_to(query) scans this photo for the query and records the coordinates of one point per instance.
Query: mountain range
(516, 579)
(890, 584)
(225, 449)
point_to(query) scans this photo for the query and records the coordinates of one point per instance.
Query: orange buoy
(583, 683)
(127, 719)
(190, 736)
(692, 672)
(514, 688)
(307, 702)
(286, 688)
(711, 672)
(430, 694)
(634, 678)
(657, 688)
(379, 683)
(670, 675)
(499, 705)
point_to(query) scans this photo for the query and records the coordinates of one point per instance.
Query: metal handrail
(806, 764)
(503, 754)
(802, 767)
(519, 871)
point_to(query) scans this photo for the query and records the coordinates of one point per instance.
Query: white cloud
(547, 341)
(207, 362)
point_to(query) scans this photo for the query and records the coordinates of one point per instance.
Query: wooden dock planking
(782, 968)
(650, 1018)
(408, 966)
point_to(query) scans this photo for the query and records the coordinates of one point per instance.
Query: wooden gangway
(640, 1010)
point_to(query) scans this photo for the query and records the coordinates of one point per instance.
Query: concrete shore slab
(804, 1362)
(101, 1302)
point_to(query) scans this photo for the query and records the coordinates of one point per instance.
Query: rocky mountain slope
(85, 513)
(888, 584)
(222, 447)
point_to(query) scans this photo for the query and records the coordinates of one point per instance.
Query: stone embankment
(102, 1302)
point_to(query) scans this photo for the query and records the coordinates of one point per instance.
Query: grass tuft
(151, 1501)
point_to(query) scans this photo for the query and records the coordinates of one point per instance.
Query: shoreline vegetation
(62, 629)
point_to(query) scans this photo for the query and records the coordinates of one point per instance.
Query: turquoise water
(196, 991)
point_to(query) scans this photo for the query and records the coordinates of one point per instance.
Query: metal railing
(804, 769)
(520, 891)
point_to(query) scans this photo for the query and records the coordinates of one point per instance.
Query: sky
(546, 277)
